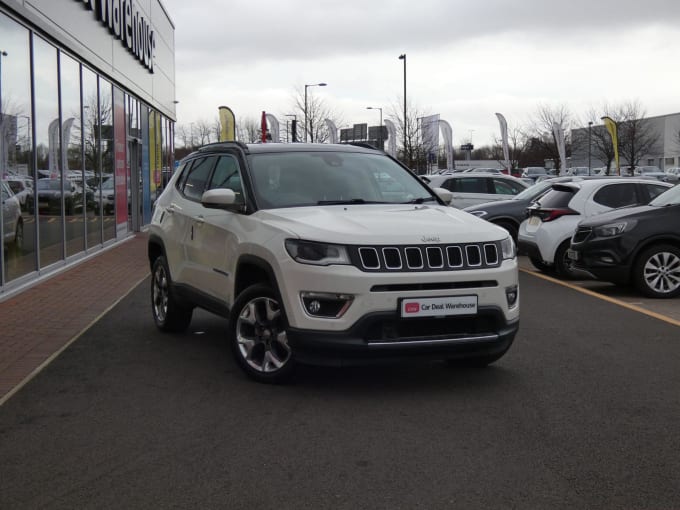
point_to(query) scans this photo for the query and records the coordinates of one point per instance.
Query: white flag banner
(273, 127)
(504, 141)
(391, 138)
(447, 134)
(65, 138)
(4, 145)
(559, 139)
(332, 131)
(53, 147)
(430, 128)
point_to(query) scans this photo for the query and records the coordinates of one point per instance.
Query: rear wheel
(168, 314)
(657, 271)
(564, 266)
(258, 337)
(540, 265)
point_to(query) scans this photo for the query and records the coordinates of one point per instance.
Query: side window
(617, 195)
(655, 190)
(226, 175)
(503, 187)
(472, 185)
(197, 177)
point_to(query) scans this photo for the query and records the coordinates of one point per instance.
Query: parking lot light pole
(403, 57)
(306, 125)
(294, 137)
(590, 144)
(380, 127)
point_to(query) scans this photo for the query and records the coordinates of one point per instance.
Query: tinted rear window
(555, 199)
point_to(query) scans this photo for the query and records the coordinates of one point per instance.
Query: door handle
(199, 219)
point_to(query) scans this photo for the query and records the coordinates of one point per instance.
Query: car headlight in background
(319, 254)
(508, 248)
(479, 214)
(613, 229)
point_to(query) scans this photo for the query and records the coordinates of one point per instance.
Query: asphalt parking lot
(581, 413)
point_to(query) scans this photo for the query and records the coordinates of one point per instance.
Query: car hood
(382, 224)
(617, 214)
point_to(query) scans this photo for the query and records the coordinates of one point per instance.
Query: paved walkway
(38, 323)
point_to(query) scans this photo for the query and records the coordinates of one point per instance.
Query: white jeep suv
(320, 253)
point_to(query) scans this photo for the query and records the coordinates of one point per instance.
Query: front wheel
(257, 335)
(168, 314)
(657, 272)
(540, 265)
(564, 266)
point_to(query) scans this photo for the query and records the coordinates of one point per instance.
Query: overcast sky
(465, 60)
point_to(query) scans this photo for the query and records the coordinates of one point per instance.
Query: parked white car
(673, 174)
(546, 233)
(12, 222)
(22, 187)
(471, 189)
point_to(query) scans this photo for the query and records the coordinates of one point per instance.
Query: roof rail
(365, 145)
(216, 145)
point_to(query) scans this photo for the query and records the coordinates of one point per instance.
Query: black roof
(257, 148)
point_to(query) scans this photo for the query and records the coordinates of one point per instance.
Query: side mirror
(220, 198)
(444, 194)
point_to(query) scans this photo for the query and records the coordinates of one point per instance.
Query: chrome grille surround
(423, 258)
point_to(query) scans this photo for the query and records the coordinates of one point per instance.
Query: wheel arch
(155, 249)
(644, 246)
(251, 270)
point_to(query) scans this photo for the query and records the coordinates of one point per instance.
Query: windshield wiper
(419, 200)
(348, 202)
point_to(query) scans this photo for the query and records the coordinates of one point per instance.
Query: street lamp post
(306, 125)
(590, 144)
(403, 57)
(380, 127)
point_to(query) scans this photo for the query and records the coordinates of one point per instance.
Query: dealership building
(87, 112)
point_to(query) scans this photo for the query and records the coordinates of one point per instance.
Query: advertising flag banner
(227, 124)
(430, 129)
(52, 148)
(65, 138)
(447, 134)
(273, 128)
(561, 150)
(504, 140)
(613, 132)
(391, 138)
(263, 127)
(332, 131)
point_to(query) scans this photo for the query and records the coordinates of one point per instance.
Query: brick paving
(42, 320)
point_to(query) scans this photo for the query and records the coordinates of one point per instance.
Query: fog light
(327, 305)
(607, 260)
(511, 294)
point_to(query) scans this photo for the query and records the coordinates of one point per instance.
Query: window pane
(93, 163)
(18, 248)
(107, 148)
(226, 175)
(197, 178)
(48, 150)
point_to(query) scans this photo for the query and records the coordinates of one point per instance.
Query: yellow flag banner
(613, 132)
(227, 125)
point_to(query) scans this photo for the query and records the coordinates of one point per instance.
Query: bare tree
(248, 130)
(517, 148)
(409, 132)
(540, 130)
(636, 134)
(317, 112)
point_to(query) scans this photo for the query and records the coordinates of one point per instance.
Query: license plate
(572, 254)
(438, 306)
(534, 221)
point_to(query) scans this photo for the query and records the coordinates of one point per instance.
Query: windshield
(293, 179)
(670, 197)
(533, 191)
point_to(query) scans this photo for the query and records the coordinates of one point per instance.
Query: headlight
(479, 214)
(319, 254)
(508, 248)
(613, 229)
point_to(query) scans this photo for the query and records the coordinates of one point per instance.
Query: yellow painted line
(615, 301)
(54, 356)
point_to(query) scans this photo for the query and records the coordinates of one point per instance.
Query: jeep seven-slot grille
(438, 257)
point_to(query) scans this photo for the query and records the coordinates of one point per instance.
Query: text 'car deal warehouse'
(87, 111)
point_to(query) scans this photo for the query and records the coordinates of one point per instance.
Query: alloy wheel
(661, 272)
(160, 293)
(261, 335)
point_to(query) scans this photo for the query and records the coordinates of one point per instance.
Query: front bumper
(384, 337)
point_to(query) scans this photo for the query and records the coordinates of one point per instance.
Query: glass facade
(81, 160)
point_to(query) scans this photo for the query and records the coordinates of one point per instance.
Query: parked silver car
(12, 222)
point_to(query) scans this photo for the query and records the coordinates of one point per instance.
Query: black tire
(564, 266)
(656, 272)
(540, 265)
(257, 335)
(510, 227)
(168, 313)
